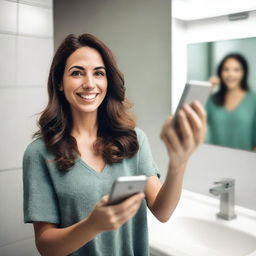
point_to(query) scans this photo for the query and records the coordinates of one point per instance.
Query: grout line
(11, 169)
(45, 6)
(17, 241)
(15, 1)
(5, 32)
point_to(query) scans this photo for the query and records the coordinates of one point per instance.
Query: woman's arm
(163, 202)
(53, 241)
(163, 199)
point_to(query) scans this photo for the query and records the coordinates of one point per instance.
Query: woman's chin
(232, 86)
(85, 109)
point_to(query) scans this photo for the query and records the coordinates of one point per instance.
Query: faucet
(226, 189)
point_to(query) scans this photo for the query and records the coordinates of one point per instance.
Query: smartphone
(126, 186)
(193, 90)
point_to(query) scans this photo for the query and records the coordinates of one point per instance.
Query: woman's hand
(110, 217)
(192, 123)
(215, 81)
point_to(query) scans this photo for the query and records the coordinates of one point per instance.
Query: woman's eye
(99, 73)
(76, 73)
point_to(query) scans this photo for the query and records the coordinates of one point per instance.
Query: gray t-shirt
(65, 198)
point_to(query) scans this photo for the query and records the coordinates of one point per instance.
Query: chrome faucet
(226, 189)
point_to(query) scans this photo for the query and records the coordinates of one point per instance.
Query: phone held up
(193, 90)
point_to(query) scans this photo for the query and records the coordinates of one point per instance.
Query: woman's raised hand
(110, 217)
(192, 124)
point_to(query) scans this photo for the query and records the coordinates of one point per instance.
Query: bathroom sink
(194, 230)
(211, 237)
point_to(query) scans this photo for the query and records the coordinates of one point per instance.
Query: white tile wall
(8, 60)
(21, 248)
(25, 57)
(34, 57)
(19, 106)
(35, 20)
(11, 214)
(8, 16)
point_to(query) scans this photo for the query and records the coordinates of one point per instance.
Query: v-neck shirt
(232, 128)
(67, 197)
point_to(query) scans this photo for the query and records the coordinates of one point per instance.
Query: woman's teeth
(88, 97)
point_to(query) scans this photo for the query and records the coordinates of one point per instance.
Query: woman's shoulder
(140, 134)
(252, 95)
(34, 147)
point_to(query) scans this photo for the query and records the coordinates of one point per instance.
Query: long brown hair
(116, 136)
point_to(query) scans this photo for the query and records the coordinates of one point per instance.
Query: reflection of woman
(231, 110)
(87, 139)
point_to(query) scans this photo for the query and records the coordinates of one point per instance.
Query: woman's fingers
(195, 123)
(193, 118)
(122, 212)
(127, 203)
(186, 130)
(199, 109)
(170, 137)
(173, 140)
(128, 214)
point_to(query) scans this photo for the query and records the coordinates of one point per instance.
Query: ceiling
(201, 9)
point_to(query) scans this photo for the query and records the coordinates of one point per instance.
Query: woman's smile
(87, 97)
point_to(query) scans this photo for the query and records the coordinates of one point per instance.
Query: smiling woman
(81, 69)
(87, 138)
(231, 110)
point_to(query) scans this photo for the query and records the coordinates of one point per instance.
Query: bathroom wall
(139, 34)
(26, 48)
(210, 163)
(142, 47)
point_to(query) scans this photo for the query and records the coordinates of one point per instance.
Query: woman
(87, 138)
(231, 110)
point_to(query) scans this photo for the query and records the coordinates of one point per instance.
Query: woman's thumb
(104, 200)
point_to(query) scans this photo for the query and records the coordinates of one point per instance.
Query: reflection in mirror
(231, 107)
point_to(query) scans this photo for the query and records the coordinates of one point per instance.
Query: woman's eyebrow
(82, 68)
(100, 67)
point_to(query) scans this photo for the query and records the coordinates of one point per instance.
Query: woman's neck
(235, 91)
(84, 125)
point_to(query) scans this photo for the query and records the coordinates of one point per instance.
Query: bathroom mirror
(231, 108)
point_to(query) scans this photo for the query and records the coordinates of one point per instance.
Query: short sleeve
(39, 198)
(147, 165)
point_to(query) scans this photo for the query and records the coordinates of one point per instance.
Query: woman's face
(232, 73)
(84, 80)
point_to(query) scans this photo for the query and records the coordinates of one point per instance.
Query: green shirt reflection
(236, 128)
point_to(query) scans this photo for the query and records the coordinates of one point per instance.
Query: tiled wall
(26, 49)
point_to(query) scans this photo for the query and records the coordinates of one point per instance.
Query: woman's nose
(89, 82)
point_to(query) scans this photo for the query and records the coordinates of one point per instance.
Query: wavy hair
(219, 96)
(116, 136)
